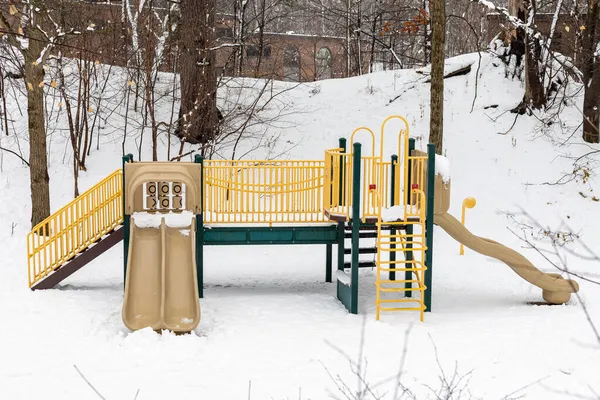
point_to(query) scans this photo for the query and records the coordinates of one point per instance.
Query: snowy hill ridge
(270, 325)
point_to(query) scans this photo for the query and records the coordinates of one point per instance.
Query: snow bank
(173, 220)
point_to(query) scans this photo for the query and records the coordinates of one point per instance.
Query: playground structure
(345, 196)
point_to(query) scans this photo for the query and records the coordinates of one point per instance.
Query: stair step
(362, 234)
(80, 259)
(361, 264)
(362, 250)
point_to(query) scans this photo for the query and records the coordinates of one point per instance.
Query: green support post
(429, 224)
(408, 275)
(393, 231)
(355, 228)
(340, 258)
(328, 262)
(200, 231)
(126, 220)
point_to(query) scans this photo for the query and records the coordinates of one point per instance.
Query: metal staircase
(76, 234)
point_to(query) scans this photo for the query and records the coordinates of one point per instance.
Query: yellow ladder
(401, 252)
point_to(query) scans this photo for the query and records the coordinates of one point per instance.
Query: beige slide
(555, 289)
(161, 288)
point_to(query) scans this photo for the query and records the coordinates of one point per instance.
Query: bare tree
(591, 74)
(436, 121)
(198, 112)
(34, 32)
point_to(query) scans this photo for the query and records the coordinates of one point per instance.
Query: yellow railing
(414, 205)
(337, 195)
(375, 175)
(263, 191)
(76, 226)
(375, 179)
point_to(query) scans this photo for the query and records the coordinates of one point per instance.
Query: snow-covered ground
(271, 328)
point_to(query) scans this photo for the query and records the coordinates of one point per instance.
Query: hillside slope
(270, 325)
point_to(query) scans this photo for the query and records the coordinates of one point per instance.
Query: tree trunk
(591, 117)
(436, 120)
(198, 123)
(591, 76)
(534, 89)
(38, 161)
(535, 95)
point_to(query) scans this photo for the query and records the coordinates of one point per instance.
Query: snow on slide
(555, 289)
(161, 288)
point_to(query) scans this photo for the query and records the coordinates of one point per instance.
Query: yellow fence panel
(263, 191)
(76, 226)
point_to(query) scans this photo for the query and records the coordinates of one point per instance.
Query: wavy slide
(161, 289)
(555, 289)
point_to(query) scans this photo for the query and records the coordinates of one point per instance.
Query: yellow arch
(403, 135)
(364, 128)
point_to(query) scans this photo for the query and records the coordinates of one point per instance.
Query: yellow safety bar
(76, 226)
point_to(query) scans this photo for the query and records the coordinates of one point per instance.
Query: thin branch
(12, 152)
(89, 383)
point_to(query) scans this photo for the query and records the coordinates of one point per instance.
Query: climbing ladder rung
(402, 269)
(389, 262)
(400, 249)
(399, 281)
(388, 282)
(403, 300)
(399, 290)
(402, 308)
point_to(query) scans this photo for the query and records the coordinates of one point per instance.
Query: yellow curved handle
(469, 202)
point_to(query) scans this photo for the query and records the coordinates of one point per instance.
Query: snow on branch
(503, 11)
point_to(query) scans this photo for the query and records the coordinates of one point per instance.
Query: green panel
(225, 235)
(271, 235)
(344, 295)
(320, 234)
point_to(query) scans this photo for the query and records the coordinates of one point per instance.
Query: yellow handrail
(74, 227)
